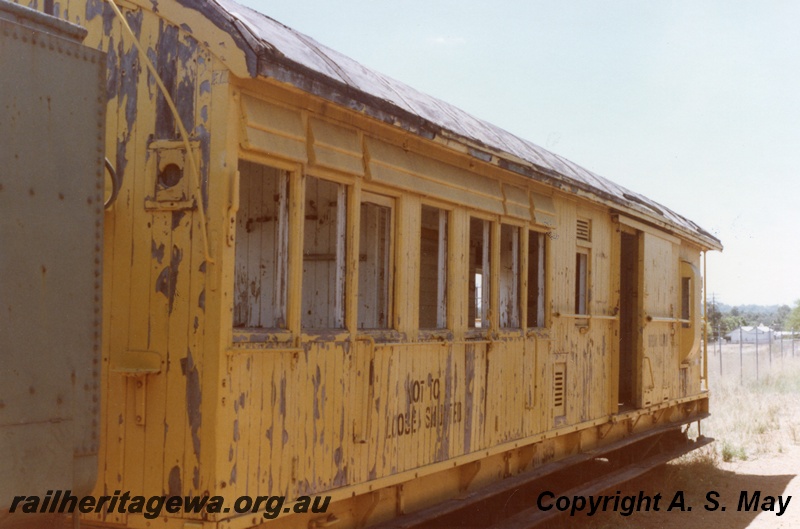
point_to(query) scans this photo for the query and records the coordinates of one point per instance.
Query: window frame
(443, 269)
(583, 281)
(282, 255)
(540, 293)
(262, 337)
(385, 201)
(487, 277)
(343, 218)
(516, 277)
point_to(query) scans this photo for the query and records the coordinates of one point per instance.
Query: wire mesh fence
(751, 361)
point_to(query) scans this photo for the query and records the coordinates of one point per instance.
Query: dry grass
(752, 417)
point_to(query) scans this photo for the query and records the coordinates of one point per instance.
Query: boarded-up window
(433, 269)
(479, 272)
(374, 267)
(324, 254)
(261, 248)
(536, 281)
(509, 276)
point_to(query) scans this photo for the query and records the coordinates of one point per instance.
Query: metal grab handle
(115, 185)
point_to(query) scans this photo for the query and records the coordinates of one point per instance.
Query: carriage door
(630, 342)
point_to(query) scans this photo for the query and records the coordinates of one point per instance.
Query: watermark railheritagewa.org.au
(58, 501)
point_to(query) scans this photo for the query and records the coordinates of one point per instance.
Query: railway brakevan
(319, 281)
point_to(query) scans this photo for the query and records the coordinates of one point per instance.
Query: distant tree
(731, 322)
(714, 321)
(780, 316)
(793, 318)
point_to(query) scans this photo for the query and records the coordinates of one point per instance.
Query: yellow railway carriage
(321, 282)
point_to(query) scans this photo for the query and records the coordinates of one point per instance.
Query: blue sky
(695, 104)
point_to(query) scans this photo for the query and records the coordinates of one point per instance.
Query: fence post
(756, 353)
(741, 358)
(769, 341)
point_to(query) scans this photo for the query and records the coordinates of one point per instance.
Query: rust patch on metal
(469, 397)
(157, 252)
(177, 216)
(185, 89)
(95, 8)
(223, 21)
(444, 447)
(204, 137)
(131, 69)
(341, 470)
(112, 70)
(194, 399)
(168, 278)
(175, 486)
(167, 68)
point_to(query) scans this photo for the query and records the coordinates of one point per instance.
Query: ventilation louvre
(584, 230)
(559, 389)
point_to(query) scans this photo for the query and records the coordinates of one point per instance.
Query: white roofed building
(750, 334)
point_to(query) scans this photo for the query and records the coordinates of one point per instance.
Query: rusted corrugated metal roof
(280, 52)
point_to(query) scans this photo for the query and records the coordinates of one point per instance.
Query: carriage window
(535, 279)
(509, 276)
(479, 272)
(686, 301)
(583, 234)
(374, 266)
(324, 254)
(581, 282)
(433, 269)
(261, 247)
